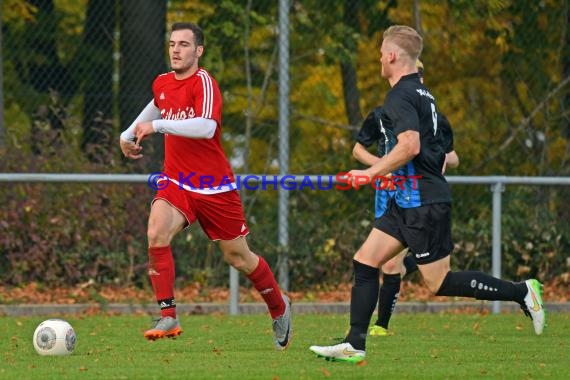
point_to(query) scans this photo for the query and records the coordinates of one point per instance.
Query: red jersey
(201, 164)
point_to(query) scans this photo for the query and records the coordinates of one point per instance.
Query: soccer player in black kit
(419, 215)
(371, 133)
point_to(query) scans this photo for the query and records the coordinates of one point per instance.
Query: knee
(433, 288)
(434, 283)
(392, 268)
(156, 237)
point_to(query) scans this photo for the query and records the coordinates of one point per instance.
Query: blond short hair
(420, 67)
(406, 38)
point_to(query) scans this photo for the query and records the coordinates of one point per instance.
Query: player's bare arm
(406, 149)
(451, 160)
(363, 155)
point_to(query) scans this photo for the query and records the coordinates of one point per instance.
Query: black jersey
(372, 132)
(410, 106)
(446, 133)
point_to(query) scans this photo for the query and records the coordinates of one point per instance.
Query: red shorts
(220, 215)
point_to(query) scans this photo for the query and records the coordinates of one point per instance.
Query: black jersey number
(434, 118)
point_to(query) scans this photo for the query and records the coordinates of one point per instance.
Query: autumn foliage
(499, 70)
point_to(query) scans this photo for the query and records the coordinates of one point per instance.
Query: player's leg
(392, 273)
(410, 265)
(378, 248)
(164, 222)
(221, 217)
(442, 282)
(237, 253)
(432, 252)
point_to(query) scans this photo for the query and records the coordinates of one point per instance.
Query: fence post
(2, 125)
(234, 291)
(283, 215)
(497, 188)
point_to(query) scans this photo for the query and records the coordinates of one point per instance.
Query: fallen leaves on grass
(556, 290)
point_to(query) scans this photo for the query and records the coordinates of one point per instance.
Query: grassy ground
(424, 346)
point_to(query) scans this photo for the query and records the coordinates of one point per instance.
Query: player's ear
(392, 56)
(199, 51)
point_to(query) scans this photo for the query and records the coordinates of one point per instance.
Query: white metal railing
(497, 186)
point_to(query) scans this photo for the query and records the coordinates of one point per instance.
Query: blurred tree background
(77, 72)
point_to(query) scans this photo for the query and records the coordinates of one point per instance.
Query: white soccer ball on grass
(54, 337)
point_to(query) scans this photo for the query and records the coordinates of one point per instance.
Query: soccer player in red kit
(198, 182)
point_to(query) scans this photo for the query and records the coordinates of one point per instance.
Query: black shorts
(425, 230)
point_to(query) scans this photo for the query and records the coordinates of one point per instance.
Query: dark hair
(198, 34)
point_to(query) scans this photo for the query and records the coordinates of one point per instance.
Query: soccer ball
(54, 337)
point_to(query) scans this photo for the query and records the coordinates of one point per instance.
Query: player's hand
(143, 130)
(359, 178)
(130, 149)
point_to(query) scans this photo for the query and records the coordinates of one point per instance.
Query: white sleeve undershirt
(196, 128)
(150, 112)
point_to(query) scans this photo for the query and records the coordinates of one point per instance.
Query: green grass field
(425, 346)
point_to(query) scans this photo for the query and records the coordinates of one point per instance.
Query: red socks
(161, 274)
(264, 282)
